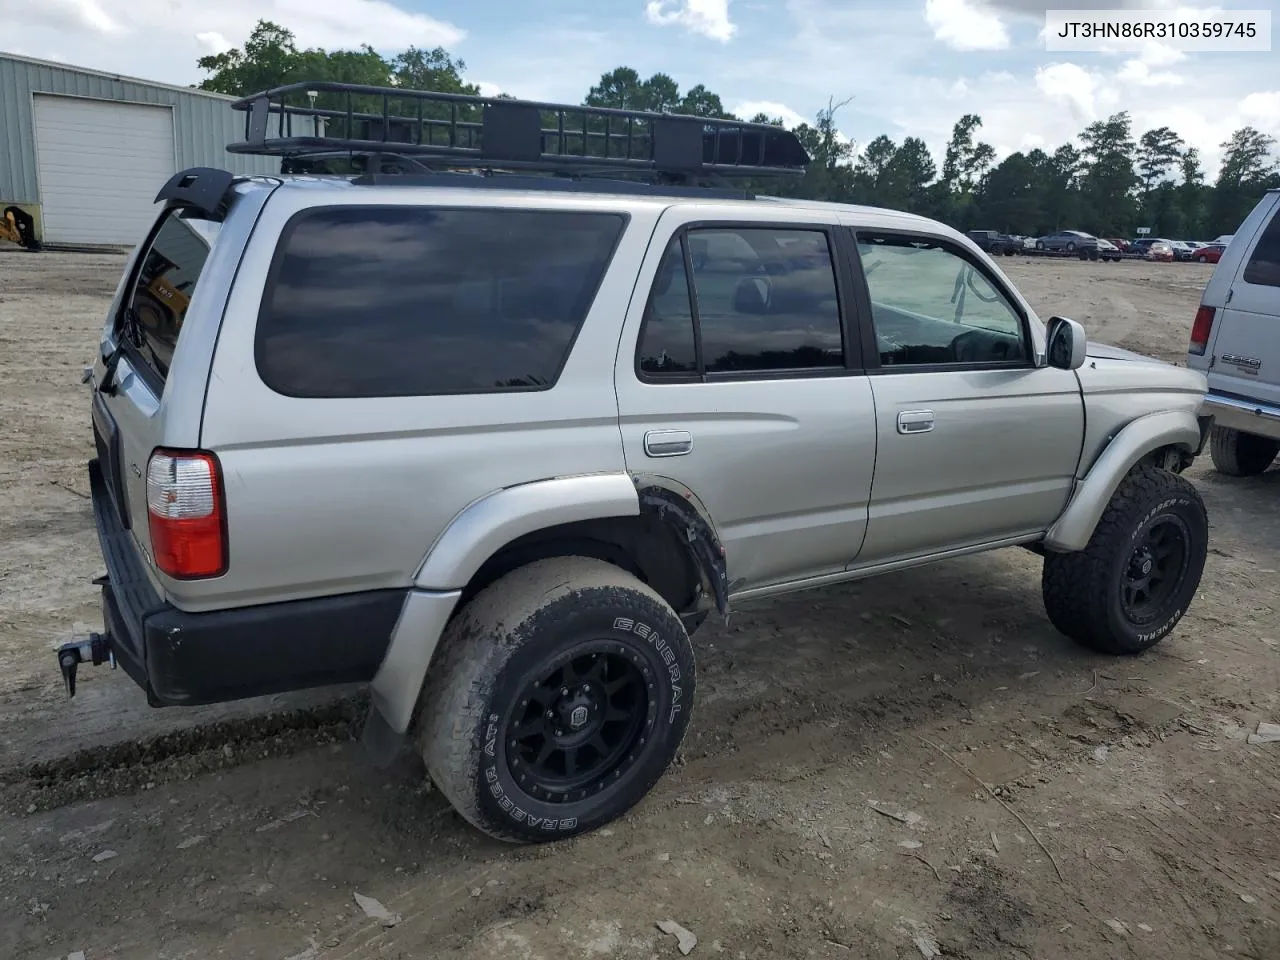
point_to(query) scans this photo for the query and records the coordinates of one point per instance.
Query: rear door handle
(915, 421)
(668, 443)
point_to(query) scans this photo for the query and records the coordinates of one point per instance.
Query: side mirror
(1066, 343)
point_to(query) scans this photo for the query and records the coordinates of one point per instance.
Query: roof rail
(433, 130)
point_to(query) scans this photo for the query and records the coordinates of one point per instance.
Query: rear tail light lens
(1200, 331)
(186, 514)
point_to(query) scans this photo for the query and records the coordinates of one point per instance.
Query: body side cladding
(678, 507)
(1171, 428)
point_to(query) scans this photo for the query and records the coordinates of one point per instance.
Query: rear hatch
(1242, 305)
(150, 379)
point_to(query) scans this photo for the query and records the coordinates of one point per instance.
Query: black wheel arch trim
(679, 507)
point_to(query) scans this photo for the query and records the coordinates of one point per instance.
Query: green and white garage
(84, 152)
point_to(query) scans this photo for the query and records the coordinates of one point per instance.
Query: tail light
(1200, 331)
(186, 514)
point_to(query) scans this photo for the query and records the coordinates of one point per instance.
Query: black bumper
(182, 658)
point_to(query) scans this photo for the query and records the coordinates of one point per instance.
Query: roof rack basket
(447, 131)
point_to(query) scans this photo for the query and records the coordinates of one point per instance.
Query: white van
(1235, 342)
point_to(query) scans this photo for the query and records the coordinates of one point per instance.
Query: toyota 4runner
(497, 444)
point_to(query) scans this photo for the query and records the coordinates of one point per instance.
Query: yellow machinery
(18, 226)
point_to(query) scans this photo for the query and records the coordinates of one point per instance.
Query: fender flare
(485, 526)
(1073, 529)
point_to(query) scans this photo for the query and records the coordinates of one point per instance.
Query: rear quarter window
(1263, 267)
(165, 281)
(420, 301)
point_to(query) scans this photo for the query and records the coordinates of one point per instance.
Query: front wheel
(1127, 590)
(561, 695)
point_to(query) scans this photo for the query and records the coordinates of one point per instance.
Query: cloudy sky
(912, 67)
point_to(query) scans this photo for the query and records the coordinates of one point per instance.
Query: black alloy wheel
(579, 722)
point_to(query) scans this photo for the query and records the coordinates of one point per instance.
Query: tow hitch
(95, 650)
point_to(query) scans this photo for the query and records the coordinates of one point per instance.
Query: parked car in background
(1183, 250)
(1068, 240)
(1160, 251)
(1210, 253)
(1120, 243)
(1107, 250)
(1235, 342)
(995, 243)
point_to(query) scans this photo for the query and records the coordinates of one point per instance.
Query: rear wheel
(1202, 258)
(1127, 590)
(1240, 454)
(562, 693)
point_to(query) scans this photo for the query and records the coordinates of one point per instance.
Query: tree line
(1113, 182)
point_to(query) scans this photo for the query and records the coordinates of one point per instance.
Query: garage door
(100, 165)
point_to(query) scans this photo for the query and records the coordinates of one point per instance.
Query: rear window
(163, 288)
(413, 301)
(1263, 267)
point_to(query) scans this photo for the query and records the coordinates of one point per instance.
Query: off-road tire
(1239, 454)
(1083, 591)
(516, 632)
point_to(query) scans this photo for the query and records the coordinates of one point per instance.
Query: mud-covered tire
(1240, 454)
(1091, 595)
(500, 674)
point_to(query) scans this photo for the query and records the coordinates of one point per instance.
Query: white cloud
(1085, 92)
(487, 89)
(771, 109)
(1137, 72)
(707, 17)
(72, 15)
(965, 25)
(162, 39)
(215, 41)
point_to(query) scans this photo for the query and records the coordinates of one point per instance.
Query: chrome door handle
(915, 421)
(668, 443)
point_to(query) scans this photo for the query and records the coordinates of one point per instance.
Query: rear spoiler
(198, 188)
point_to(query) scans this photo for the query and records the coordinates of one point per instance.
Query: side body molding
(1140, 437)
(488, 524)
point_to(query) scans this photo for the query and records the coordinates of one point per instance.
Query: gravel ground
(911, 764)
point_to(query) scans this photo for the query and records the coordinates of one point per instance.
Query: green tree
(964, 165)
(267, 60)
(1248, 170)
(1159, 152)
(1012, 195)
(1109, 180)
(1191, 194)
(906, 178)
(829, 176)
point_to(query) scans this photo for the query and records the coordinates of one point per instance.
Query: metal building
(84, 152)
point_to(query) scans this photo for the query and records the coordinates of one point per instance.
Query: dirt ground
(912, 766)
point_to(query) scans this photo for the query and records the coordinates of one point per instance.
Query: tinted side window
(1263, 267)
(667, 343)
(414, 301)
(930, 305)
(766, 299)
(163, 288)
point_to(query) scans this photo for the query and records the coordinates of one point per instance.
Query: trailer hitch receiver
(95, 650)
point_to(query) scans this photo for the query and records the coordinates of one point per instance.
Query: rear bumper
(1241, 413)
(182, 658)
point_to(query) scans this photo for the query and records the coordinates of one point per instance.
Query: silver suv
(498, 444)
(1235, 341)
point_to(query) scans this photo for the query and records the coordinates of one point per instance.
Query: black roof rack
(426, 131)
